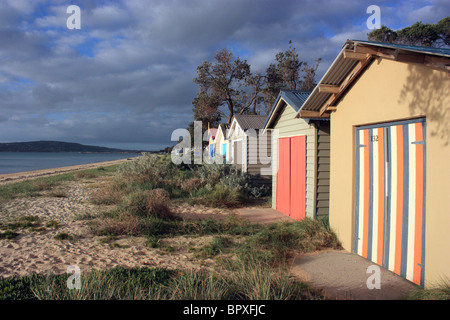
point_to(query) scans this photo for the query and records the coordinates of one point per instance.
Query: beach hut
(300, 158)
(249, 148)
(211, 140)
(389, 107)
(221, 143)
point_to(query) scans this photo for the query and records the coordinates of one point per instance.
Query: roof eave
(349, 64)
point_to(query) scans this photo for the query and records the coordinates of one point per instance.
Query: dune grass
(440, 291)
(38, 186)
(255, 270)
(255, 264)
(255, 282)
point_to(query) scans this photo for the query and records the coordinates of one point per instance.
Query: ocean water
(13, 162)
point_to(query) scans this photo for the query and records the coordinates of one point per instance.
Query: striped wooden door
(390, 196)
(291, 177)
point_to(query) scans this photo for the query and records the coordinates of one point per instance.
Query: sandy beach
(14, 177)
(37, 251)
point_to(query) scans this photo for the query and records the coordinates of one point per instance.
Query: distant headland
(58, 146)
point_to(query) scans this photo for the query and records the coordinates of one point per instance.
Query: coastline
(19, 176)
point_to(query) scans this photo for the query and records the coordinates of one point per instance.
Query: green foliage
(113, 284)
(216, 246)
(273, 244)
(229, 83)
(440, 291)
(147, 169)
(8, 235)
(19, 288)
(63, 236)
(23, 223)
(214, 185)
(418, 34)
(200, 286)
(52, 224)
(147, 203)
(153, 242)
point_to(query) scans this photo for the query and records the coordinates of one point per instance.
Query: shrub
(148, 169)
(108, 195)
(124, 224)
(211, 174)
(157, 203)
(148, 203)
(191, 184)
(224, 196)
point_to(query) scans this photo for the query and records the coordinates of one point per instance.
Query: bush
(192, 184)
(148, 169)
(157, 204)
(224, 196)
(108, 195)
(124, 224)
(148, 203)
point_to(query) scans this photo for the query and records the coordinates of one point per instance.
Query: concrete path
(344, 276)
(341, 274)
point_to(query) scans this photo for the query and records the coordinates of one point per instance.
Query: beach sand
(36, 251)
(14, 177)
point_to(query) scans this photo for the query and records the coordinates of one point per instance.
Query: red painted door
(291, 177)
(283, 176)
(298, 177)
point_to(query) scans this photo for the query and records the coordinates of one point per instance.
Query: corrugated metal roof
(295, 98)
(341, 67)
(250, 121)
(429, 50)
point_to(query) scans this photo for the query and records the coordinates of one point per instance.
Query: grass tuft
(64, 236)
(8, 235)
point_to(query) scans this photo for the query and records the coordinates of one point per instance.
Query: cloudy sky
(125, 78)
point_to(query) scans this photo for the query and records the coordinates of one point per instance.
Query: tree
(309, 74)
(288, 67)
(227, 86)
(289, 73)
(418, 34)
(224, 83)
(383, 34)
